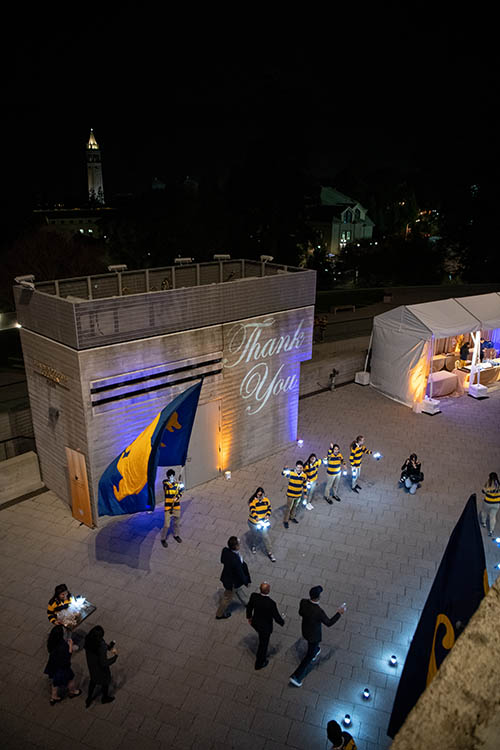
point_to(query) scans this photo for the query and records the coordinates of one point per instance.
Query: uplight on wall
(227, 475)
(300, 442)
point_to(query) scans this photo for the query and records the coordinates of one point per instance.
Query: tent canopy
(402, 338)
(485, 307)
(440, 319)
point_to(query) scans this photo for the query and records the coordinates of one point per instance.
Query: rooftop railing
(125, 283)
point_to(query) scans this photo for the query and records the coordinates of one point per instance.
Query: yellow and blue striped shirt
(172, 495)
(335, 460)
(311, 470)
(491, 495)
(296, 483)
(357, 455)
(55, 606)
(259, 509)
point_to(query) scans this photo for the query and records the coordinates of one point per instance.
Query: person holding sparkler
(259, 509)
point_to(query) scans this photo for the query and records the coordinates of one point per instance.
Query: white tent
(403, 340)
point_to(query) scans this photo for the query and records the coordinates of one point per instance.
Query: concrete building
(104, 354)
(340, 220)
(71, 221)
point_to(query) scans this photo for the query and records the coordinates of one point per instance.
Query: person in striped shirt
(358, 449)
(311, 471)
(61, 600)
(491, 502)
(334, 465)
(172, 491)
(297, 481)
(259, 513)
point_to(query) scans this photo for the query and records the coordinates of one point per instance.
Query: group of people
(303, 479)
(262, 611)
(61, 647)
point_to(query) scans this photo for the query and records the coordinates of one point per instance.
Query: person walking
(311, 471)
(312, 619)
(358, 449)
(172, 491)
(297, 486)
(261, 612)
(334, 465)
(96, 651)
(58, 667)
(411, 474)
(259, 509)
(340, 740)
(491, 502)
(234, 576)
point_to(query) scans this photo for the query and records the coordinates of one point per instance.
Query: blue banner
(128, 484)
(459, 585)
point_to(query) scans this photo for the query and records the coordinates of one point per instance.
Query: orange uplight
(418, 379)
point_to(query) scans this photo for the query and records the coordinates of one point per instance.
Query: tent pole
(430, 374)
(368, 352)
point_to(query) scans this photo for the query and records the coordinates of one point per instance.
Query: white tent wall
(402, 340)
(399, 364)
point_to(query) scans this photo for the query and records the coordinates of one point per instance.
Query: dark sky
(172, 95)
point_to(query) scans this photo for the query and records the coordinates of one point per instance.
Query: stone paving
(184, 680)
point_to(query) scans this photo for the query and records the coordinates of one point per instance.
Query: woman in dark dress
(59, 665)
(96, 650)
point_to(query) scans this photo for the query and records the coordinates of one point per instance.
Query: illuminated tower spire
(94, 170)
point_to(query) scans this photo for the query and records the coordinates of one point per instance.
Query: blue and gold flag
(128, 484)
(459, 585)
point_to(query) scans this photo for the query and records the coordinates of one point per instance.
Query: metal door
(205, 451)
(80, 497)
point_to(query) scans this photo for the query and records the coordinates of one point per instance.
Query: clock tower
(94, 170)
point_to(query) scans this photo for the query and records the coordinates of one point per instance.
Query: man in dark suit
(312, 619)
(234, 575)
(261, 611)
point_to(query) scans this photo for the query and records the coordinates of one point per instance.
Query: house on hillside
(339, 220)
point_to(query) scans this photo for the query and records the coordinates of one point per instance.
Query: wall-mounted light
(393, 661)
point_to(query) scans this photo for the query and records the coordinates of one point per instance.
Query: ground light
(366, 694)
(227, 475)
(393, 661)
(346, 721)
(300, 442)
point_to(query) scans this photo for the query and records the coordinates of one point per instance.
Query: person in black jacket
(59, 665)
(411, 473)
(261, 611)
(312, 618)
(96, 650)
(234, 575)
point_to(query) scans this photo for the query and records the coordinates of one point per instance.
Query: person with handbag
(59, 665)
(234, 576)
(411, 474)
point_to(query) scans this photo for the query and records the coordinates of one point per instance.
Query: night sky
(195, 95)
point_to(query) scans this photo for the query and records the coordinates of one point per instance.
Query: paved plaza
(184, 680)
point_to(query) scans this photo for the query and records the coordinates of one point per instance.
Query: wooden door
(80, 497)
(204, 453)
